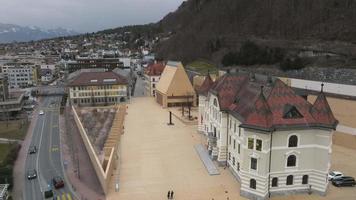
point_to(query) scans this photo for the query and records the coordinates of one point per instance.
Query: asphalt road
(47, 160)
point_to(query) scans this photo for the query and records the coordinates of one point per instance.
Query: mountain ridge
(12, 32)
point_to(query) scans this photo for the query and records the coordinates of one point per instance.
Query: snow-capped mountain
(11, 32)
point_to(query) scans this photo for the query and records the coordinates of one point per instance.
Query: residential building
(152, 75)
(88, 63)
(273, 141)
(20, 74)
(97, 88)
(46, 75)
(174, 87)
(4, 88)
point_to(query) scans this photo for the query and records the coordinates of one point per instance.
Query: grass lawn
(202, 67)
(4, 150)
(13, 130)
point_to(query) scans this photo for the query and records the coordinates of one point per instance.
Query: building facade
(98, 88)
(152, 75)
(89, 63)
(174, 87)
(273, 141)
(20, 75)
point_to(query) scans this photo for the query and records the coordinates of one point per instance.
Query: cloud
(84, 15)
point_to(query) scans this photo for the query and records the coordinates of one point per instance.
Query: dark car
(344, 181)
(32, 150)
(58, 182)
(48, 194)
(31, 174)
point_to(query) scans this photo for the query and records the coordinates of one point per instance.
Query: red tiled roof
(321, 110)
(98, 78)
(226, 88)
(283, 108)
(205, 87)
(155, 69)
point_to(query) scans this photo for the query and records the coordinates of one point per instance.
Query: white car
(41, 112)
(334, 174)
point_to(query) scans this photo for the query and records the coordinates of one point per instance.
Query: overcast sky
(84, 15)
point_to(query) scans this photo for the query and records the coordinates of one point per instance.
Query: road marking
(50, 145)
(69, 197)
(64, 197)
(54, 149)
(38, 156)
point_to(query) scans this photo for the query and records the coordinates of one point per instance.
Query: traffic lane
(32, 188)
(50, 154)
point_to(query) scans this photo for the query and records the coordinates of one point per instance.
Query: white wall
(342, 89)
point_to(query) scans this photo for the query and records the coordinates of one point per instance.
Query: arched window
(305, 179)
(253, 183)
(291, 161)
(215, 102)
(293, 141)
(290, 180)
(275, 182)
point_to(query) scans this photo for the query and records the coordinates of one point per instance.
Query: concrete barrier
(104, 169)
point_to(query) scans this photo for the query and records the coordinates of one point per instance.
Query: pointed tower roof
(261, 115)
(205, 87)
(322, 112)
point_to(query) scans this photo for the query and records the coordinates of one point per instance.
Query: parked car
(41, 112)
(32, 150)
(31, 174)
(334, 174)
(344, 181)
(58, 182)
(48, 194)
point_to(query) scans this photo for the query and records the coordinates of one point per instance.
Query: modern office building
(98, 88)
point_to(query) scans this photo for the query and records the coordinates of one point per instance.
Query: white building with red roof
(274, 141)
(152, 75)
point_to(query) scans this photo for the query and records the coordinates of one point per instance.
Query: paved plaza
(156, 158)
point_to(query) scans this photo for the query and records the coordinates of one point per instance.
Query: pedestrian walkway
(63, 197)
(204, 157)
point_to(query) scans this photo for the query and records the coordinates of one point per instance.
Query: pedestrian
(172, 194)
(169, 194)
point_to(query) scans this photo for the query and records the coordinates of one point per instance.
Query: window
(229, 156)
(291, 161)
(293, 141)
(250, 143)
(238, 148)
(253, 183)
(233, 160)
(230, 139)
(230, 124)
(234, 127)
(154, 85)
(275, 182)
(290, 180)
(258, 145)
(215, 102)
(234, 143)
(254, 163)
(238, 166)
(305, 179)
(239, 132)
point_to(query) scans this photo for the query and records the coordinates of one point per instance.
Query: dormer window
(291, 112)
(215, 103)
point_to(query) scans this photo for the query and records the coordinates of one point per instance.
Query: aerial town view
(178, 99)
